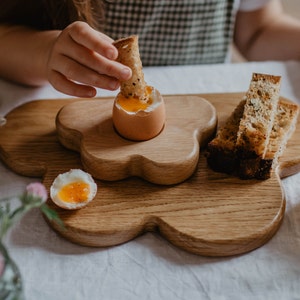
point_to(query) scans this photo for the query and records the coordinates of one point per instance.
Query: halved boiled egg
(73, 189)
(139, 119)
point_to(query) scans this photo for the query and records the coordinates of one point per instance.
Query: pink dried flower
(2, 264)
(37, 189)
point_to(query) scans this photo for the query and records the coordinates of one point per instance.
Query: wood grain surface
(169, 158)
(209, 214)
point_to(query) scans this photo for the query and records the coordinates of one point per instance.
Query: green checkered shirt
(174, 32)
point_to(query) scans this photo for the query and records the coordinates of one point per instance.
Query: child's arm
(74, 61)
(268, 34)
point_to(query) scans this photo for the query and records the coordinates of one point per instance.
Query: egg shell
(141, 125)
(74, 175)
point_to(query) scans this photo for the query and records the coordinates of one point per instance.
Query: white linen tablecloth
(149, 267)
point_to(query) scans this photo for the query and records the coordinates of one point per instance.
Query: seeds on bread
(283, 127)
(255, 143)
(259, 112)
(128, 54)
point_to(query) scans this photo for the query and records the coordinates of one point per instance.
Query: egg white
(155, 98)
(74, 175)
(140, 125)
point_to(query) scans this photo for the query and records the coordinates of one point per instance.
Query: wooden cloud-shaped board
(207, 213)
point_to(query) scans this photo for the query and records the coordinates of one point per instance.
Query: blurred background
(290, 6)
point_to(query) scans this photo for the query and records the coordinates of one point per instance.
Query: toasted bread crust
(221, 154)
(266, 77)
(261, 104)
(128, 54)
(221, 160)
(282, 129)
(244, 159)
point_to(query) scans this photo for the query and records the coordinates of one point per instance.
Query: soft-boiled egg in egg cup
(139, 119)
(139, 109)
(73, 189)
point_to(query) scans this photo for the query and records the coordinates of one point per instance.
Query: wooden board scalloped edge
(212, 246)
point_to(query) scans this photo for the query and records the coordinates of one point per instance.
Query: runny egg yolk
(74, 192)
(134, 104)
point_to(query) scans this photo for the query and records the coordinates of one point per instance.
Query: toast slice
(128, 54)
(260, 109)
(221, 155)
(249, 144)
(283, 127)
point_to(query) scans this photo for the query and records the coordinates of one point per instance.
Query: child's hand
(82, 59)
